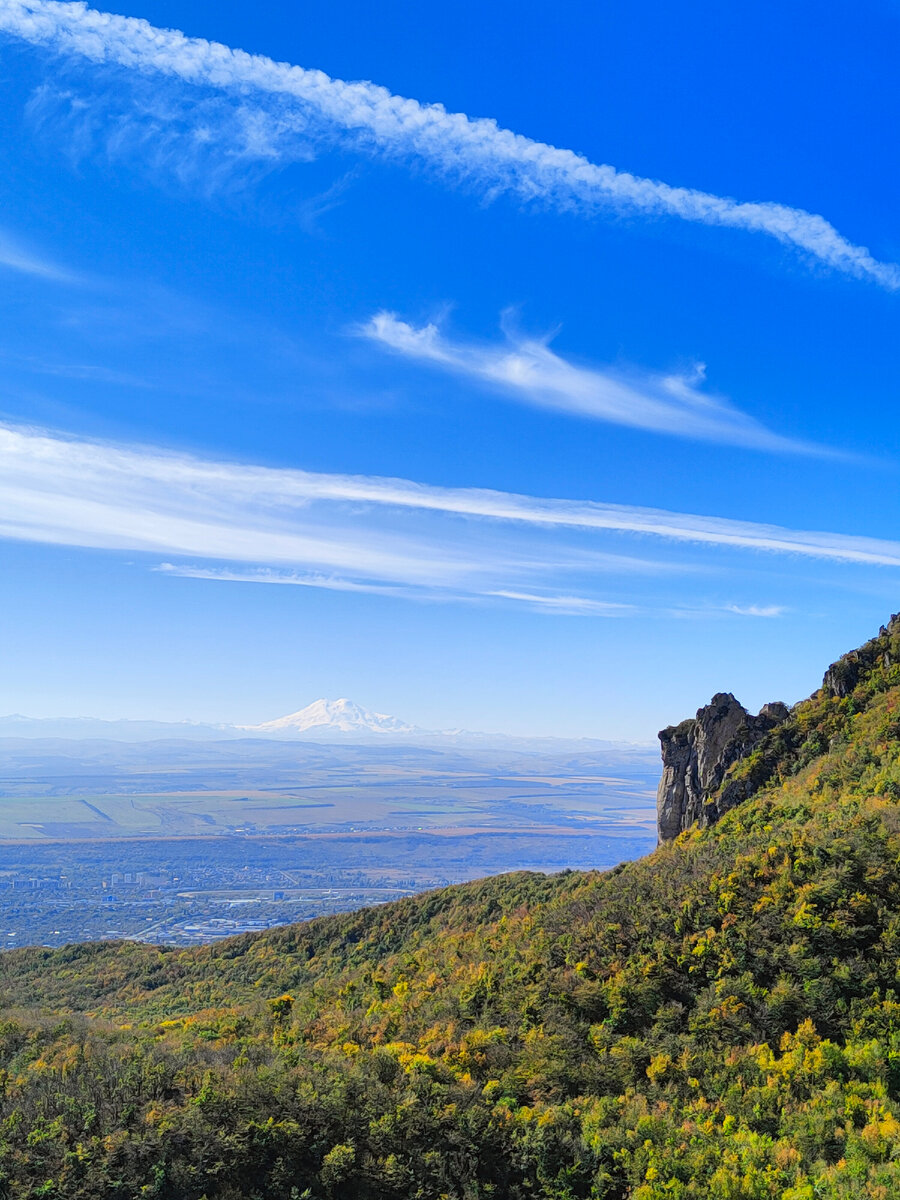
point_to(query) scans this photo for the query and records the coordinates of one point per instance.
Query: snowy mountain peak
(331, 716)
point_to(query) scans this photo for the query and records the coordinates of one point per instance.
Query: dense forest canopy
(719, 1019)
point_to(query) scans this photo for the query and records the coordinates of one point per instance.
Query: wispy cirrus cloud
(329, 583)
(280, 103)
(14, 256)
(270, 525)
(82, 372)
(527, 369)
(757, 610)
(238, 522)
(548, 602)
(580, 606)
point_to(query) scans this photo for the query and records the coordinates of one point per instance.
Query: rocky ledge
(696, 755)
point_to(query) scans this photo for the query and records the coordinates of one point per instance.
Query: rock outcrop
(843, 676)
(696, 756)
(698, 781)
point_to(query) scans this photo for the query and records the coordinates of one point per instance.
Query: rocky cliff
(696, 756)
(698, 781)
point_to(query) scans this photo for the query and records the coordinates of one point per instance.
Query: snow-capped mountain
(330, 717)
(336, 721)
(340, 719)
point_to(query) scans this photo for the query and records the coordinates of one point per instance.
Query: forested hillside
(720, 1019)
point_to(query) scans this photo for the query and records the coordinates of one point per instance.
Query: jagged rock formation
(696, 756)
(842, 676)
(699, 783)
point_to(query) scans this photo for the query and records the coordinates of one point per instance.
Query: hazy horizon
(412, 730)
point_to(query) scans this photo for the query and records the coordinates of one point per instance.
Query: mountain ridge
(357, 723)
(718, 1019)
(321, 718)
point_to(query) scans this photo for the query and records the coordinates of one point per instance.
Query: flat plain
(180, 842)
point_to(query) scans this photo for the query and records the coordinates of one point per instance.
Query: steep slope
(721, 1019)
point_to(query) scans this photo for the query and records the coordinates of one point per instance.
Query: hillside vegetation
(720, 1019)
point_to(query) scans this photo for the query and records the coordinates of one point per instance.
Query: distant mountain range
(79, 728)
(330, 717)
(322, 721)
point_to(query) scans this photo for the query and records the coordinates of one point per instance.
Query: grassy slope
(721, 1018)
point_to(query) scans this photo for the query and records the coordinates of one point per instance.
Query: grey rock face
(697, 753)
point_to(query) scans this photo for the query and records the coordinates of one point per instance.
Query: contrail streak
(376, 121)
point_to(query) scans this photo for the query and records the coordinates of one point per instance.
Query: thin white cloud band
(475, 149)
(55, 489)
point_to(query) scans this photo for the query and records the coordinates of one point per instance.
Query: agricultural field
(183, 845)
(84, 790)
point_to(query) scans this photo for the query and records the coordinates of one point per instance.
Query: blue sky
(309, 392)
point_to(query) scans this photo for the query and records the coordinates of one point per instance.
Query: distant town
(185, 891)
